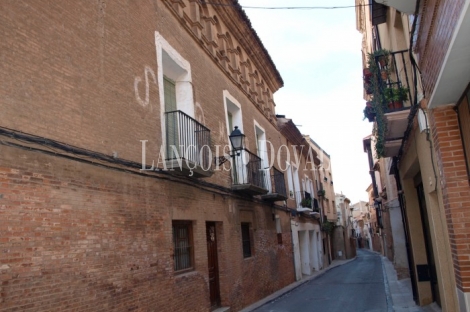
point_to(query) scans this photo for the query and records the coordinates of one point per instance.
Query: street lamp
(237, 140)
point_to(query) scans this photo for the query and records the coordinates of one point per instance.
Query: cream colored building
(407, 188)
(325, 188)
(344, 237)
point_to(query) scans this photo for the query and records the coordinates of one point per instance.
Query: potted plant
(367, 74)
(384, 74)
(306, 202)
(321, 193)
(368, 88)
(369, 113)
(380, 56)
(327, 226)
(395, 97)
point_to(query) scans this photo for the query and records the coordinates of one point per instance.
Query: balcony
(389, 80)
(187, 146)
(306, 203)
(278, 187)
(405, 6)
(396, 116)
(248, 175)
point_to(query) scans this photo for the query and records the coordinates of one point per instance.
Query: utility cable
(284, 7)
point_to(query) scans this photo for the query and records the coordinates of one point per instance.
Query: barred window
(246, 240)
(183, 246)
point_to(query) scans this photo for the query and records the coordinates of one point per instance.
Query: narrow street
(355, 286)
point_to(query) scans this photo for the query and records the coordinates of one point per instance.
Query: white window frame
(264, 153)
(172, 65)
(297, 190)
(290, 180)
(233, 106)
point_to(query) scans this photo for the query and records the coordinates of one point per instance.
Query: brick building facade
(91, 94)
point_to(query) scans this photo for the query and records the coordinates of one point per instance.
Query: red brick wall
(455, 188)
(81, 237)
(68, 73)
(438, 20)
(75, 236)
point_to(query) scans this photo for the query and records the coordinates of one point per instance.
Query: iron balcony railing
(394, 73)
(187, 139)
(278, 183)
(247, 169)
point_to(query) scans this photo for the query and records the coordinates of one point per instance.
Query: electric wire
(284, 7)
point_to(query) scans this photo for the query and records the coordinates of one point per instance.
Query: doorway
(428, 242)
(213, 264)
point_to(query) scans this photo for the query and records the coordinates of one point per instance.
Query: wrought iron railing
(394, 73)
(278, 182)
(247, 169)
(187, 139)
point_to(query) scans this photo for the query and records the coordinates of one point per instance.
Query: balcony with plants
(307, 204)
(387, 86)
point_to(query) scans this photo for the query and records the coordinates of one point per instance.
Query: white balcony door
(298, 197)
(262, 151)
(234, 119)
(290, 181)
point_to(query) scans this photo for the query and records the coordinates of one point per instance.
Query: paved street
(355, 286)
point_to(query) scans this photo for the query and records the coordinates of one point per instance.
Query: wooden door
(213, 264)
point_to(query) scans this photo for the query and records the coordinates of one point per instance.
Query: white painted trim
(185, 101)
(232, 99)
(265, 158)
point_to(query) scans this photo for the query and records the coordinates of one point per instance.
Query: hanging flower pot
(383, 61)
(367, 74)
(384, 75)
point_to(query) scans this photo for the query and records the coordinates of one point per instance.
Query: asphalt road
(355, 286)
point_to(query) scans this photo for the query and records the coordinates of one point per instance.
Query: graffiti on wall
(147, 71)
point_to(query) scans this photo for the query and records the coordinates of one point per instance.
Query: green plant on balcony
(369, 112)
(306, 202)
(378, 62)
(395, 97)
(327, 226)
(321, 193)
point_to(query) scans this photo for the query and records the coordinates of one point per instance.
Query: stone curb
(388, 294)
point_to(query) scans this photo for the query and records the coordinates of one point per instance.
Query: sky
(318, 54)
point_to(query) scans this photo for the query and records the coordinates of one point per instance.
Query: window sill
(184, 273)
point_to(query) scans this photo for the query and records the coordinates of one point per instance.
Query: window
(246, 240)
(262, 152)
(183, 246)
(169, 88)
(175, 91)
